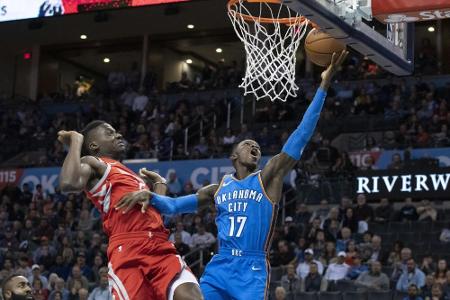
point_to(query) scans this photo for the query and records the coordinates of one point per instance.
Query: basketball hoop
(271, 34)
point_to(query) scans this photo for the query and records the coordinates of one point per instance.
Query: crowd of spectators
(56, 241)
(341, 248)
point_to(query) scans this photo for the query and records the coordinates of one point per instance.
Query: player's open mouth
(254, 152)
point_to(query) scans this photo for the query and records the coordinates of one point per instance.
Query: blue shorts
(229, 277)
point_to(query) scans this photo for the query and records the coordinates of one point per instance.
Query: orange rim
(286, 21)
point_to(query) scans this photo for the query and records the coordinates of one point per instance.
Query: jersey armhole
(220, 186)
(264, 189)
(102, 180)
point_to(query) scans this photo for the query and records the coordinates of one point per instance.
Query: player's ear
(93, 147)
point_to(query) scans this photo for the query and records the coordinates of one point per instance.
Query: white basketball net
(271, 48)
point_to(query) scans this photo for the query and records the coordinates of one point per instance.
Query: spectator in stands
(384, 211)
(39, 291)
(445, 234)
(408, 212)
(280, 293)
(36, 274)
(86, 270)
(59, 288)
(174, 185)
(426, 289)
(303, 268)
(302, 215)
(396, 163)
(185, 236)
(229, 139)
(322, 211)
(312, 282)
(374, 279)
(428, 266)
(336, 271)
(329, 255)
(426, 211)
(363, 212)
(312, 229)
(412, 275)
(342, 243)
(349, 221)
(76, 281)
(202, 239)
(290, 230)
(413, 293)
(440, 276)
(284, 255)
(395, 254)
(102, 291)
(401, 266)
(437, 293)
(291, 282)
(201, 148)
(345, 203)
(351, 252)
(375, 251)
(333, 215)
(357, 268)
(140, 101)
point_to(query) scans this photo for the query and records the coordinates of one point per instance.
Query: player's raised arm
(281, 164)
(75, 171)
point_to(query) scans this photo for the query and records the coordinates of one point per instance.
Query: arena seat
(330, 296)
(382, 295)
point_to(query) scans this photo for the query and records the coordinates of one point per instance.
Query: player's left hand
(130, 200)
(336, 61)
(150, 177)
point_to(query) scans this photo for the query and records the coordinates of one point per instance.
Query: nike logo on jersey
(256, 268)
(227, 183)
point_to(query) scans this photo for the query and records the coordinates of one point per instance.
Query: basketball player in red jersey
(143, 264)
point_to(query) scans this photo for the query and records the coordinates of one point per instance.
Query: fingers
(342, 57)
(144, 207)
(123, 202)
(334, 57)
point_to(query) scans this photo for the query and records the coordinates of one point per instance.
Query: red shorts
(142, 265)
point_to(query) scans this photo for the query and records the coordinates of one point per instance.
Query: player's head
(101, 139)
(16, 287)
(247, 154)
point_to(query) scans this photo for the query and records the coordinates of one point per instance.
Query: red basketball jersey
(118, 181)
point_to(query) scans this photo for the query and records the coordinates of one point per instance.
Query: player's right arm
(77, 172)
(170, 205)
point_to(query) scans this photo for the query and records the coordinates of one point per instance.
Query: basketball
(320, 46)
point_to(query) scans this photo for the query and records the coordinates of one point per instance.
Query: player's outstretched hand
(130, 200)
(150, 177)
(336, 61)
(66, 137)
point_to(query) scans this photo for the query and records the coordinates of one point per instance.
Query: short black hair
(6, 281)
(86, 131)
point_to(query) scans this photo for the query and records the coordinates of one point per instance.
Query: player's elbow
(69, 187)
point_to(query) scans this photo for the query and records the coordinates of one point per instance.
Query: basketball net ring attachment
(271, 34)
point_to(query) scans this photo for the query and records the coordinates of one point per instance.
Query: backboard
(348, 19)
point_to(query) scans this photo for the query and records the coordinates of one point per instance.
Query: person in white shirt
(186, 237)
(128, 97)
(102, 291)
(303, 268)
(202, 239)
(140, 101)
(337, 271)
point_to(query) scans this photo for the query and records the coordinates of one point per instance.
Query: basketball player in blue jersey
(246, 204)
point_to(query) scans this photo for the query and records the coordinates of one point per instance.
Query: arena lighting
(83, 36)
(189, 61)
(219, 50)
(106, 60)
(27, 55)
(431, 29)
(190, 26)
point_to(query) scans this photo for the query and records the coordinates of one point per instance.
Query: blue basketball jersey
(245, 222)
(245, 215)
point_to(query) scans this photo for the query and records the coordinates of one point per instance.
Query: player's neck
(109, 155)
(242, 172)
